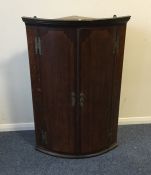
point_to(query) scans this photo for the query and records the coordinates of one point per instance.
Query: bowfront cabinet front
(76, 69)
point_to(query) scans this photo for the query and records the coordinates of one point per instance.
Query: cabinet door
(96, 70)
(57, 71)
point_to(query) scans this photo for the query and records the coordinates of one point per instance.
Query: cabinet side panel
(117, 76)
(35, 82)
(57, 67)
(96, 66)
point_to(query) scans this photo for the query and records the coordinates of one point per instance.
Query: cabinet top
(76, 21)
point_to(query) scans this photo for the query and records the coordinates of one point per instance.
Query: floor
(131, 157)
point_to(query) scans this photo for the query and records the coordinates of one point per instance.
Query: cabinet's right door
(96, 55)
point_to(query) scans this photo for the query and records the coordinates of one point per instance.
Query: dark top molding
(76, 21)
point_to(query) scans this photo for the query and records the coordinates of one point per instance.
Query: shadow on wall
(17, 90)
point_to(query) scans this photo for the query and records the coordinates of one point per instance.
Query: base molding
(134, 120)
(76, 156)
(16, 127)
(30, 126)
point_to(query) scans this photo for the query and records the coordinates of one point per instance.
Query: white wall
(15, 92)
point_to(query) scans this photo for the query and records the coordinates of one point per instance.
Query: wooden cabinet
(76, 68)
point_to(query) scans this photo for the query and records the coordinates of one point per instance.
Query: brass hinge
(38, 45)
(116, 42)
(43, 137)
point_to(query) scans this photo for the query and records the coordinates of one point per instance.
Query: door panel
(96, 66)
(57, 69)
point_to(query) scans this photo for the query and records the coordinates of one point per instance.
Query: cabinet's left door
(52, 65)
